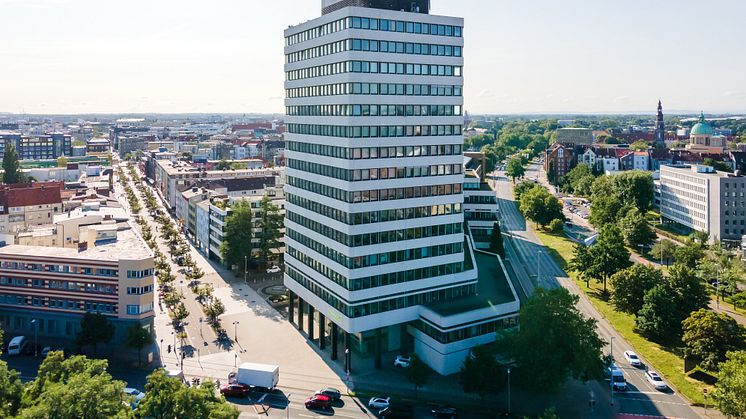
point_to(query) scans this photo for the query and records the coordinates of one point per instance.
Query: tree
(496, 240)
(137, 338)
(608, 255)
(168, 398)
(730, 389)
(557, 226)
(636, 230)
(605, 209)
(658, 319)
(574, 176)
(237, 238)
(11, 165)
(214, 310)
(690, 290)
(584, 185)
(689, 254)
(522, 188)
(539, 206)
(76, 387)
(581, 262)
(417, 373)
(11, 389)
(180, 312)
(639, 145)
(663, 250)
(555, 342)
(552, 175)
(515, 169)
(636, 187)
(223, 165)
(630, 285)
(709, 336)
(62, 161)
(95, 328)
(268, 226)
(480, 373)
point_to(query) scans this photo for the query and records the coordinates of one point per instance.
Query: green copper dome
(702, 127)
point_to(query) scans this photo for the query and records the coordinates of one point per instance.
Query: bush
(556, 226)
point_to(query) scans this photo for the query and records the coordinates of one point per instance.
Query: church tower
(660, 128)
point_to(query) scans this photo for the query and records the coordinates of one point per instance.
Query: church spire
(660, 127)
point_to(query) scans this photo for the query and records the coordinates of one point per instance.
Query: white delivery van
(258, 375)
(17, 345)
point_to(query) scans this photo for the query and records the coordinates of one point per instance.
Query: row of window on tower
(373, 45)
(402, 89)
(365, 153)
(374, 195)
(374, 131)
(373, 110)
(358, 175)
(374, 67)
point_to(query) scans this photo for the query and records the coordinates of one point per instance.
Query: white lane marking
(656, 401)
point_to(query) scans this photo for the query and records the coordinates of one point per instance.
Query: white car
(632, 358)
(655, 380)
(379, 402)
(402, 361)
(274, 270)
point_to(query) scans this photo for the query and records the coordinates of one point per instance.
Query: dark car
(235, 390)
(332, 393)
(318, 401)
(444, 412)
(397, 411)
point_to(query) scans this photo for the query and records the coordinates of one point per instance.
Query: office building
(703, 199)
(375, 239)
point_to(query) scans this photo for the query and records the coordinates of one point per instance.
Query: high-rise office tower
(374, 224)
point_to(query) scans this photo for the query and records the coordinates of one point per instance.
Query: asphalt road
(640, 398)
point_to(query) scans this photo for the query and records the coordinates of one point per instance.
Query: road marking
(655, 401)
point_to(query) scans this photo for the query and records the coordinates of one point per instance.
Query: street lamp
(538, 268)
(235, 360)
(611, 381)
(235, 330)
(160, 347)
(287, 409)
(245, 266)
(36, 348)
(508, 390)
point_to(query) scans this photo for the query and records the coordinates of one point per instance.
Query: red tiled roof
(24, 195)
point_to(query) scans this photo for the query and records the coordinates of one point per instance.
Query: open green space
(668, 361)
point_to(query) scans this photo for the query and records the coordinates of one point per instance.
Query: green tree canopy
(496, 240)
(11, 165)
(481, 374)
(515, 169)
(658, 318)
(663, 250)
(730, 389)
(522, 188)
(630, 285)
(541, 207)
(555, 342)
(709, 336)
(607, 256)
(417, 372)
(168, 398)
(95, 328)
(76, 387)
(237, 238)
(636, 230)
(137, 338)
(268, 225)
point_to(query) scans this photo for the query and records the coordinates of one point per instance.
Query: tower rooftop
(414, 6)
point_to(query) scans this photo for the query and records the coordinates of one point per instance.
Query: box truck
(258, 375)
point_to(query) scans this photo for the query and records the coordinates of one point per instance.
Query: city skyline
(158, 58)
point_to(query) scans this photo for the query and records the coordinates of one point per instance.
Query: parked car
(332, 393)
(655, 380)
(445, 412)
(274, 270)
(136, 394)
(632, 358)
(379, 403)
(402, 361)
(45, 351)
(317, 401)
(397, 411)
(235, 390)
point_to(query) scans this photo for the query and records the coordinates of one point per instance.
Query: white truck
(257, 375)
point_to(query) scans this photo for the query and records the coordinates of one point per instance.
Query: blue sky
(73, 56)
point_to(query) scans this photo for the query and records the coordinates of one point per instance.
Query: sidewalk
(727, 308)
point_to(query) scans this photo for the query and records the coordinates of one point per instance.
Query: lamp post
(245, 266)
(36, 349)
(611, 380)
(287, 409)
(717, 288)
(508, 390)
(235, 360)
(160, 351)
(538, 267)
(200, 327)
(235, 330)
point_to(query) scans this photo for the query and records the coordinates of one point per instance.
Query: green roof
(702, 127)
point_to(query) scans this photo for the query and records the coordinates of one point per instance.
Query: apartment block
(703, 199)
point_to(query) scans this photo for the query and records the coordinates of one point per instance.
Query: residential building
(28, 204)
(376, 249)
(559, 160)
(703, 199)
(98, 146)
(48, 146)
(82, 263)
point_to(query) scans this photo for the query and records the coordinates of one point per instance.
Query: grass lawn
(665, 360)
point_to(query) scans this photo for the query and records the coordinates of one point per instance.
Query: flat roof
(127, 246)
(492, 289)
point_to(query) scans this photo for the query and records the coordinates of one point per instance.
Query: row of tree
(539, 206)
(243, 225)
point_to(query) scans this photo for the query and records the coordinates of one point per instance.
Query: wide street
(640, 398)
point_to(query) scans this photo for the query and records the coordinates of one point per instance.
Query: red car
(235, 390)
(318, 401)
